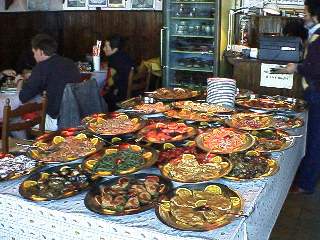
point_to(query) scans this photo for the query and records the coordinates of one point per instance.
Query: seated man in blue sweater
(51, 74)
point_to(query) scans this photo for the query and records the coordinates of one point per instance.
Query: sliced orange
(134, 120)
(38, 198)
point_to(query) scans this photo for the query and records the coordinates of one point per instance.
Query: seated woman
(122, 64)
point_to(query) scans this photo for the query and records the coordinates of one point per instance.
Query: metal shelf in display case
(189, 42)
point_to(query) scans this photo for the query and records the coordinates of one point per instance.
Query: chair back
(10, 116)
(78, 101)
(138, 82)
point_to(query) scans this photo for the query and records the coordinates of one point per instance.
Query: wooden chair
(9, 115)
(139, 81)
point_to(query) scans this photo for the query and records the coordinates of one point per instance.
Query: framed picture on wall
(97, 3)
(75, 5)
(38, 5)
(142, 4)
(116, 3)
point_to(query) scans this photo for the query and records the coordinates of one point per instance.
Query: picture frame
(97, 3)
(116, 3)
(75, 5)
(37, 5)
(142, 4)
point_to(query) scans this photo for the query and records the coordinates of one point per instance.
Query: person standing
(51, 74)
(309, 169)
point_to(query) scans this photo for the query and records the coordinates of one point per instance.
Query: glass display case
(189, 42)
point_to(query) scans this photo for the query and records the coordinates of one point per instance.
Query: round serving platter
(127, 195)
(64, 146)
(57, 182)
(199, 207)
(224, 136)
(122, 159)
(251, 165)
(16, 164)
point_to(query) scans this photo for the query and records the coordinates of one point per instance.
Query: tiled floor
(299, 218)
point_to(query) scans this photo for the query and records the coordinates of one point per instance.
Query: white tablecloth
(68, 219)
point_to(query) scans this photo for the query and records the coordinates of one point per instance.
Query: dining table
(69, 219)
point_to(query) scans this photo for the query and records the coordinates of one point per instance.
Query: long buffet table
(69, 219)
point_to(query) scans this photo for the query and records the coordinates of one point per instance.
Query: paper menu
(275, 80)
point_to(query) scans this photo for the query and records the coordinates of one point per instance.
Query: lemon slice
(165, 206)
(111, 150)
(58, 139)
(213, 189)
(29, 183)
(190, 143)
(94, 141)
(103, 173)
(122, 117)
(252, 153)
(100, 120)
(80, 136)
(166, 168)
(38, 198)
(35, 153)
(116, 139)
(44, 175)
(147, 155)
(235, 201)
(135, 148)
(200, 203)
(188, 157)
(168, 146)
(41, 145)
(134, 120)
(224, 164)
(159, 125)
(90, 163)
(183, 192)
(216, 159)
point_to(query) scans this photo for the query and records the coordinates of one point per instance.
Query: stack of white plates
(221, 91)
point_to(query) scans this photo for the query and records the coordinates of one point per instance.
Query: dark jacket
(51, 76)
(80, 100)
(122, 63)
(310, 68)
